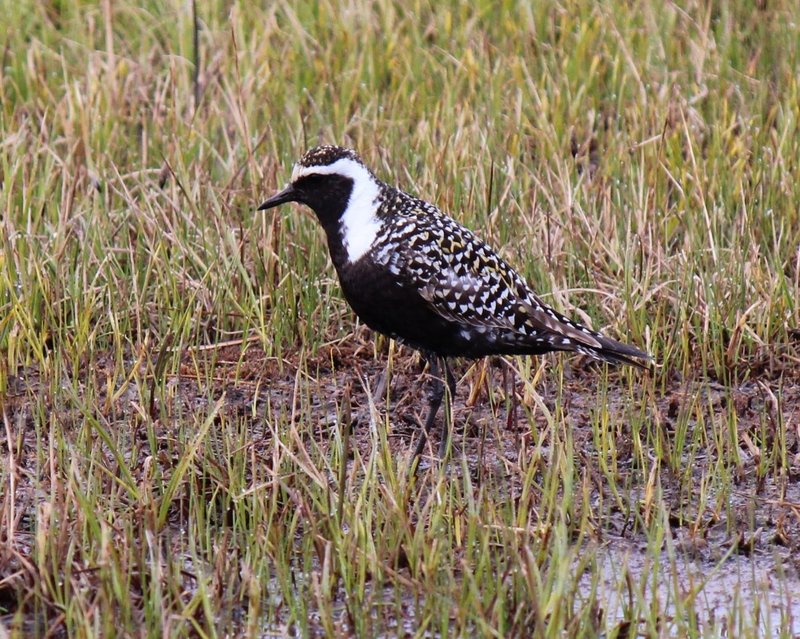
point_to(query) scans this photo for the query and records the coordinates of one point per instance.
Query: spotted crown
(328, 154)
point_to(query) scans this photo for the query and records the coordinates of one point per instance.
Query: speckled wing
(465, 282)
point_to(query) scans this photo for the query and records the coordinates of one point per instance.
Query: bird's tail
(563, 334)
(615, 352)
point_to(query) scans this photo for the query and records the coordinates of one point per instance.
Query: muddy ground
(755, 532)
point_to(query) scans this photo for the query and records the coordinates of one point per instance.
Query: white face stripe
(345, 166)
(359, 224)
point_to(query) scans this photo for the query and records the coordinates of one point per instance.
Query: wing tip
(621, 354)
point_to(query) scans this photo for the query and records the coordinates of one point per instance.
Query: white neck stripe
(359, 224)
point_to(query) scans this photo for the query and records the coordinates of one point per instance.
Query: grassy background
(637, 162)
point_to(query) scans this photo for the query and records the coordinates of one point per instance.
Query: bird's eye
(308, 182)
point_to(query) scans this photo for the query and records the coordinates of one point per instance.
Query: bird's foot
(447, 448)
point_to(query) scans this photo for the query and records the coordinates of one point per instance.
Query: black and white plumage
(413, 273)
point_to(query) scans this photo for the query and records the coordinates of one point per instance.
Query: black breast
(388, 305)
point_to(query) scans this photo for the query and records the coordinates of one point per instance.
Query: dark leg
(434, 401)
(448, 410)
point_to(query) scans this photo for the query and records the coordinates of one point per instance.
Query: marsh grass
(190, 436)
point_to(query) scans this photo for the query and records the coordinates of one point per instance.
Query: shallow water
(734, 591)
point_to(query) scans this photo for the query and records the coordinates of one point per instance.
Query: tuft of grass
(199, 439)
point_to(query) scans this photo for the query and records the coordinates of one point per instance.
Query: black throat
(327, 196)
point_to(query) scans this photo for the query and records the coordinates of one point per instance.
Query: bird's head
(325, 179)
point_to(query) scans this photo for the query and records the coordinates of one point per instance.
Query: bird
(411, 272)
